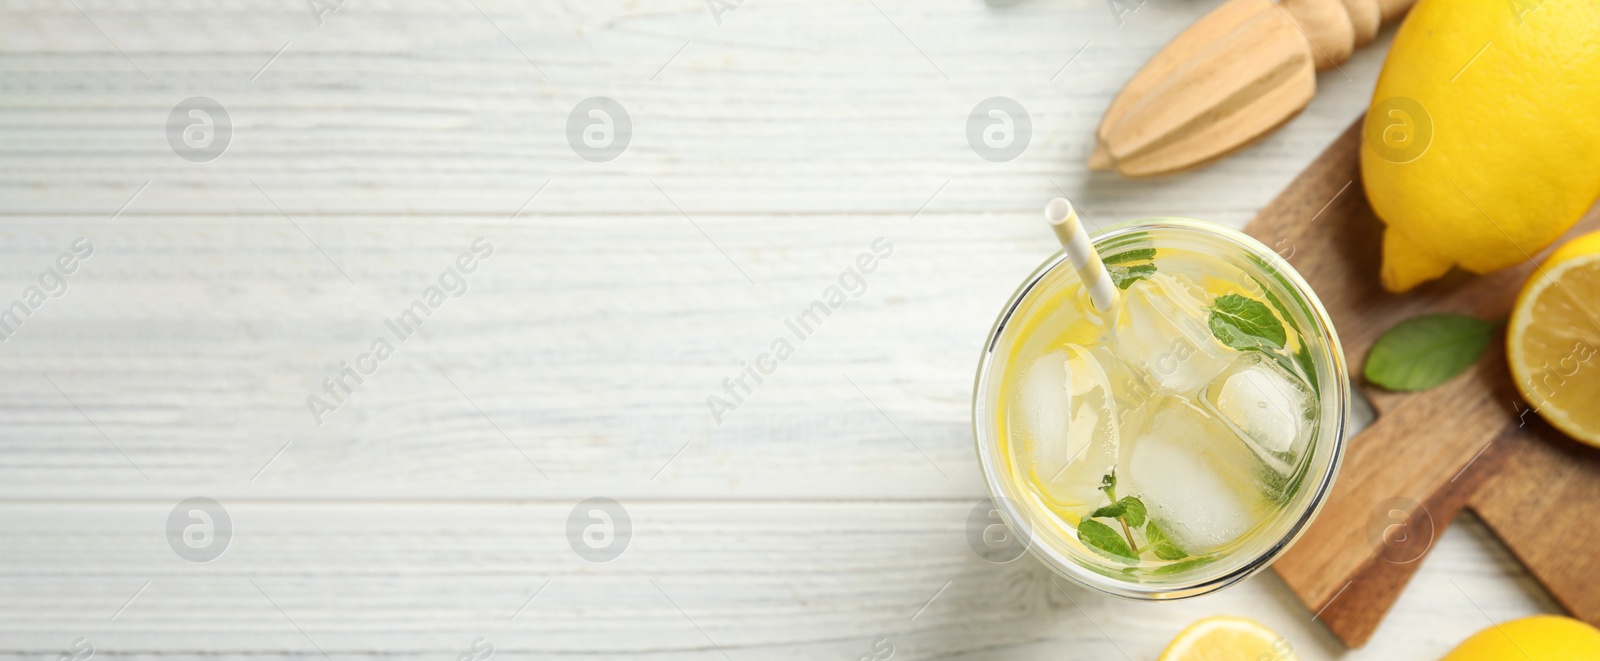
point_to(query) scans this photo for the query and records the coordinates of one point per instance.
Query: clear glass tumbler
(1193, 421)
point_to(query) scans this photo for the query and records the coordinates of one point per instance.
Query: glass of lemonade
(1177, 443)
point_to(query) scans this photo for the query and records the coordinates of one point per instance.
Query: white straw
(1064, 220)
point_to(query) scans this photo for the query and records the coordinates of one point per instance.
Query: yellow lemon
(1228, 639)
(1554, 335)
(1537, 638)
(1482, 144)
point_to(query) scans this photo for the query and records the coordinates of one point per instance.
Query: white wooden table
(428, 515)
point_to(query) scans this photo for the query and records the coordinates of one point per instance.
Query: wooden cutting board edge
(1354, 613)
(1543, 503)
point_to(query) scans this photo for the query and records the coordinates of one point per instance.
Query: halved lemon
(1554, 338)
(1228, 639)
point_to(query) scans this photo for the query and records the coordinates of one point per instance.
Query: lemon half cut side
(1553, 342)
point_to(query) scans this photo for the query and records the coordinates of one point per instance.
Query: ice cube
(1074, 440)
(1194, 477)
(1162, 332)
(1269, 408)
(1043, 399)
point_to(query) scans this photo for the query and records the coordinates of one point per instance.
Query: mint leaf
(1125, 276)
(1423, 352)
(1107, 542)
(1135, 255)
(1136, 513)
(1128, 266)
(1131, 510)
(1245, 323)
(1163, 546)
(1108, 484)
(1186, 565)
(1111, 511)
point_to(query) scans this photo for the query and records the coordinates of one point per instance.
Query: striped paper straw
(1064, 220)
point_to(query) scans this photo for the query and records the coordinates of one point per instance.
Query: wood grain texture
(1543, 502)
(408, 525)
(1404, 532)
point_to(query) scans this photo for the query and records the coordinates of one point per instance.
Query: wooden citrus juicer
(1235, 75)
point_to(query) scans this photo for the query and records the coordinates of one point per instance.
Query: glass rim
(985, 436)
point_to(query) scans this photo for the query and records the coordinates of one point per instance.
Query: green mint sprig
(1130, 513)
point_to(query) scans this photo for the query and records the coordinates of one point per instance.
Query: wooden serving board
(1468, 443)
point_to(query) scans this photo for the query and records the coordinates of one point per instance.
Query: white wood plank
(603, 269)
(761, 579)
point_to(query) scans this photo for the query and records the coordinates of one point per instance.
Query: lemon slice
(1554, 336)
(1228, 639)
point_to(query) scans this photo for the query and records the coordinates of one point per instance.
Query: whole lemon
(1482, 144)
(1537, 638)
